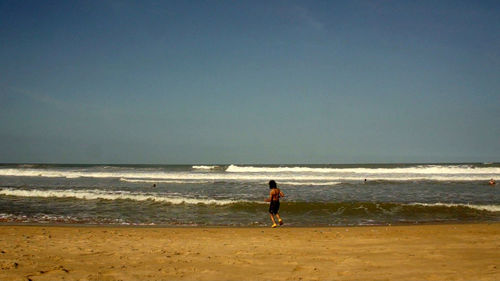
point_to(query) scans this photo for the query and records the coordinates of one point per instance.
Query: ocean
(233, 195)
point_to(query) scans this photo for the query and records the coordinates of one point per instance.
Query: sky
(249, 82)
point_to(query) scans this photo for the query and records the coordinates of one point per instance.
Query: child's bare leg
(279, 219)
(272, 218)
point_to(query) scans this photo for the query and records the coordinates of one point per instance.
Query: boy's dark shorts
(274, 207)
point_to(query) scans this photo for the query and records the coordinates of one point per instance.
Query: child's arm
(282, 194)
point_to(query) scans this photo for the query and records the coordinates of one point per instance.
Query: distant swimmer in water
(154, 184)
(492, 182)
(274, 198)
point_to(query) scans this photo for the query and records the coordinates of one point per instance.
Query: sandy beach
(430, 252)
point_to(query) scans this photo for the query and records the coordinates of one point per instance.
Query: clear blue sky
(249, 81)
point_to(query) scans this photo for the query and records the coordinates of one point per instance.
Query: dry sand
(431, 252)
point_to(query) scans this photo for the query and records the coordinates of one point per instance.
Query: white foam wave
(304, 174)
(203, 167)
(490, 208)
(112, 195)
(317, 183)
(420, 169)
(51, 218)
(164, 181)
(310, 183)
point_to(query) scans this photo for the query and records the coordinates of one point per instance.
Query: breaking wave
(420, 169)
(112, 195)
(489, 208)
(290, 206)
(318, 183)
(203, 167)
(165, 181)
(317, 175)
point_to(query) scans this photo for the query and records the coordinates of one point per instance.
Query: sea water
(233, 195)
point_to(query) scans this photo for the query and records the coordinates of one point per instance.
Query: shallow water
(234, 194)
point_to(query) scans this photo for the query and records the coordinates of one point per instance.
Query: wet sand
(430, 252)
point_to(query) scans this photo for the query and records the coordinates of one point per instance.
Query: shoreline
(167, 226)
(468, 251)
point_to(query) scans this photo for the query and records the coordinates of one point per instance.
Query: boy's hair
(272, 184)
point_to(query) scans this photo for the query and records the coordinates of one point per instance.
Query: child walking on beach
(274, 198)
